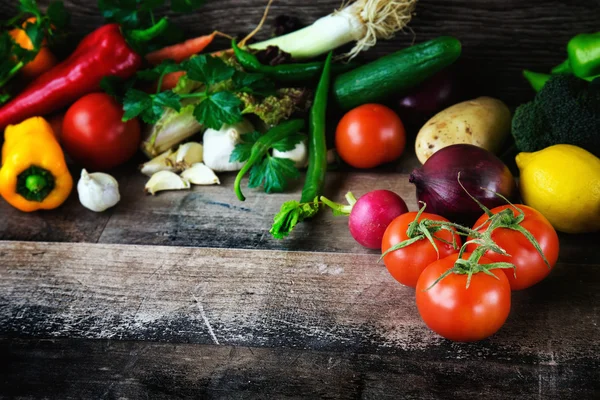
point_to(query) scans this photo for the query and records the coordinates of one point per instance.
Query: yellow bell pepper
(34, 173)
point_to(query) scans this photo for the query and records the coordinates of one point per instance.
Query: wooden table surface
(186, 295)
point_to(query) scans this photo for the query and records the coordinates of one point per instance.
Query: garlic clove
(299, 154)
(200, 174)
(188, 154)
(97, 191)
(165, 180)
(162, 162)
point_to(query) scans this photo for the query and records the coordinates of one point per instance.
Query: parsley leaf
(242, 150)
(218, 109)
(274, 172)
(289, 142)
(291, 213)
(58, 16)
(167, 99)
(253, 83)
(207, 69)
(135, 103)
(29, 7)
(153, 74)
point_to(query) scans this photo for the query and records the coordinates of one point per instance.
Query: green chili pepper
(562, 68)
(584, 54)
(285, 72)
(317, 145)
(262, 146)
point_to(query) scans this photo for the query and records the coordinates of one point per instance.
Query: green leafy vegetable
(291, 213)
(141, 27)
(44, 26)
(220, 94)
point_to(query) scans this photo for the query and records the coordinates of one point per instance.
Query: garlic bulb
(299, 154)
(165, 180)
(200, 174)
(218, 146)
(97, 191)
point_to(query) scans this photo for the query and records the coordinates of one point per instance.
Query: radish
(370, 215)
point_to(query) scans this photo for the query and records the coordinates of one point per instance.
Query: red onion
(437, 183)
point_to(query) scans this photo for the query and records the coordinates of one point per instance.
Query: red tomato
(370, 135)
(94, 135)
(460, 314)
(406, 264)
(530, 266)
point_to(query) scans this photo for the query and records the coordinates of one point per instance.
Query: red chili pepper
(103, 52)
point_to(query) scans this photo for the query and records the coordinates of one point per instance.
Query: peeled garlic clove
(200, 174)
(97, 191)
(162, 162)
(165, 180)
(188, 154)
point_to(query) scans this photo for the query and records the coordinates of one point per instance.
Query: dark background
(500, 37)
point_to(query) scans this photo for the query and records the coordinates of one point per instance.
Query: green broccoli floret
(565, 111)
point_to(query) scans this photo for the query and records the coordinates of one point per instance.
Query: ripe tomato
(370, 135)
(406, 264)
(530, 266)
(94, 135)
(457, 313)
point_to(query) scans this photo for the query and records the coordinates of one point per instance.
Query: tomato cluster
(451, 307)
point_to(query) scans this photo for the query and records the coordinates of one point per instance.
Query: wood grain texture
(318, 301)
(105, 369)
(213, 217)
(499, 37)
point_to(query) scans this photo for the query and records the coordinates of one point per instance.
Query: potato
(483, 122)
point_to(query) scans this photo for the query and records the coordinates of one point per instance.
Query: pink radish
(370, 215)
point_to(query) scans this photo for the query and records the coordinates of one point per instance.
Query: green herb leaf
(30, 7)
(274, 173)
(185, 5)
(36, 35)
(207, 69)
(58, 16)
(291, 213)
(253, 83)
(167, 99)
(242, 150)
(289, 142)
(135, 104)
(218, 109)
(152, 74)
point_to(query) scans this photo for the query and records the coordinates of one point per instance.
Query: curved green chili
(262, 146)
(317, 145)
(286, 72)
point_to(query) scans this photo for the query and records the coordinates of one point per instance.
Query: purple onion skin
(371, 215)
(435, 94)
(437, 184)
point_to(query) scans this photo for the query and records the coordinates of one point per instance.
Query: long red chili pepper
(103, 52)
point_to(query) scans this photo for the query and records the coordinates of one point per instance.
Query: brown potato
(483, 122)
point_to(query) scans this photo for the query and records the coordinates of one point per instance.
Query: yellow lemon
(563, 183)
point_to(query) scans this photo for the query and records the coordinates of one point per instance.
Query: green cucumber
(395, 73)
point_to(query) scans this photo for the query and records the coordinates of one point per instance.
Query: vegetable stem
(317, 144)
(145, 35)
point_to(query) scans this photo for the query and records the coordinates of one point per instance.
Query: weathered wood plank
(213, 217)
(500, 37)
(318, 301)
(74, 369)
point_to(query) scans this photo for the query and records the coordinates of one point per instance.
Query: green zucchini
(395, 73)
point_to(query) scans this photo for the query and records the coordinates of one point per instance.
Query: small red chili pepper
(103, 52)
